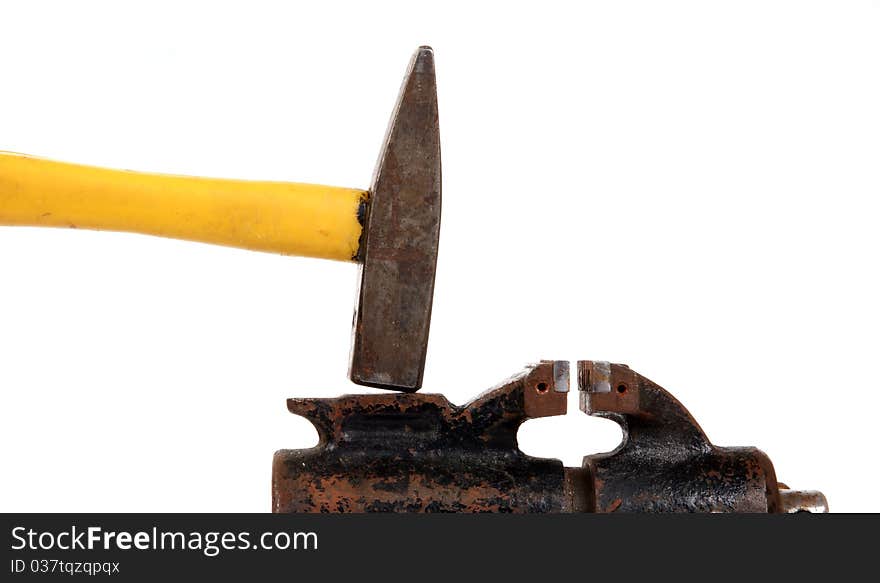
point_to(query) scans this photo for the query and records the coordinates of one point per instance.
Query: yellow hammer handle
(280, 217)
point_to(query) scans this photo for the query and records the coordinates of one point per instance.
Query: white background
(687, 187)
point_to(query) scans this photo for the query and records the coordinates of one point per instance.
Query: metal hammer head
(398, 252)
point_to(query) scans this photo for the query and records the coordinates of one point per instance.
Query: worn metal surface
(400, 240)
(794, 501)
(419, 453)
(665, 463)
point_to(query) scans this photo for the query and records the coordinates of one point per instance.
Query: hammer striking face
(392, 230)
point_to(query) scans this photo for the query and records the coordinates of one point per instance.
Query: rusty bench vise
(407, 452)
(419, 453)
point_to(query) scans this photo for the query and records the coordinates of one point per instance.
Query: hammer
(391, 230)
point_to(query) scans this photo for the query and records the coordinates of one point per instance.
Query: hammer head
(398, 252)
